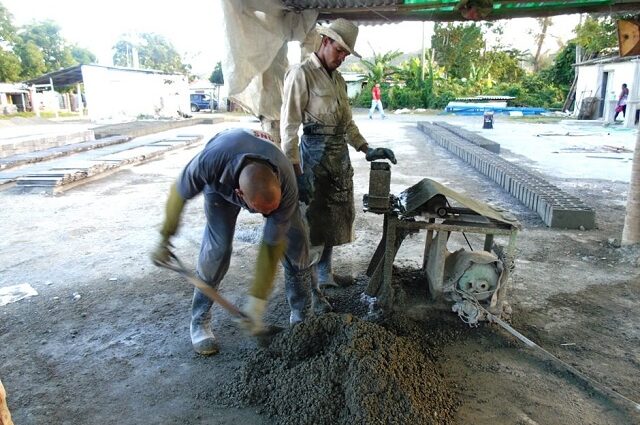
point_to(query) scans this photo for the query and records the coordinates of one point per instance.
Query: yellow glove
(175, 204)
(268, 257)
(254, 310)
(162, 254)
(173, 210)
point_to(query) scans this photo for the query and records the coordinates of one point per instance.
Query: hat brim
(336, 37)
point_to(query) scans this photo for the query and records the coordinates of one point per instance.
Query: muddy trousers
(217, 247)
(325, 266)
(297, 285)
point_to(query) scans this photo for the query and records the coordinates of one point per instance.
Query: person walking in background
(376, 102)
(622, 102)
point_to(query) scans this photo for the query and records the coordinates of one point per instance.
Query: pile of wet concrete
(339, 369)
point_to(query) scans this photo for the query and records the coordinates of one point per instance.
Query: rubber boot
(321, 304)
(325, 269)
(202, 339)
(297, 286)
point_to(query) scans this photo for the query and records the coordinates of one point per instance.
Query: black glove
(305, 187)
(381, 153)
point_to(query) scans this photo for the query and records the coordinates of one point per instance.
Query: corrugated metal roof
(380, 11)
(609, 59)
(73, 75)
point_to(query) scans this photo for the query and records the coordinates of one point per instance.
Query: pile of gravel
(339, 369)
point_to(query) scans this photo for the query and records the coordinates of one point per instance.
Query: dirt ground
(106, 338)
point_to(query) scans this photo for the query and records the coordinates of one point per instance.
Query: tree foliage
(10, 67)
(562, 72)
(503, 65)
(379, 68)
(81, 55)
(31, 58)
(7, 30)
(153, 50)
(456, 47)
(47, 38)
(216, 76)
(540, 36)
(35, 49)
(597, 34)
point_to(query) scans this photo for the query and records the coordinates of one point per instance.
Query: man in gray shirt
(242, 169)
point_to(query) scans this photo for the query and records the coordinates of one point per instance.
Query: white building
(115, 93)
(13, 98)
(355, 81)
(602, 79)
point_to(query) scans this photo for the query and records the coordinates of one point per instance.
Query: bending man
(315, 95)
(241, 169)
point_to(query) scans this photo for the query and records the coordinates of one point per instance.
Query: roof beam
(435, 12)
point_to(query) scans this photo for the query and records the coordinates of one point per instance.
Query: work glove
(162, 253)
(380, 153)
(253, 310)
(266, 264)
(173, 210)
(305, 187)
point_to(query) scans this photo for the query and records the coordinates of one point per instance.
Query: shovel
(264, 335)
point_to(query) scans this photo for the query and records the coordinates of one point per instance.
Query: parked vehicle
(202, 101)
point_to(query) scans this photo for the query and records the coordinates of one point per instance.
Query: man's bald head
(259, 187)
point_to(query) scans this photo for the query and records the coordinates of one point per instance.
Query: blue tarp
(480, 110)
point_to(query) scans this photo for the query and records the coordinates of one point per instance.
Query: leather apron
(325, 154)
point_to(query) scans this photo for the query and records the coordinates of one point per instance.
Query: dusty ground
(106, 338)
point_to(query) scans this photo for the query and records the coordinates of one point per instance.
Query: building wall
(591, 81)
(122, 94)
(354, 88)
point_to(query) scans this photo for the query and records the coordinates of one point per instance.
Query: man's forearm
(173, 211)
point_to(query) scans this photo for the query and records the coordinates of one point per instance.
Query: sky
(194, 27)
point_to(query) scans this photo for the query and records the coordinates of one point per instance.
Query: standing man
(376, 102)
(241, 169)
(315, 95)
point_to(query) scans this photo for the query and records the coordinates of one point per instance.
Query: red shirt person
(376, 101)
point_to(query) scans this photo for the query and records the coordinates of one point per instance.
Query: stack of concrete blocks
(556, 208)
(470, 136)
(27, 144)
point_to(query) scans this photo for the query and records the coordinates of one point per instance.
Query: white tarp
(257, 33)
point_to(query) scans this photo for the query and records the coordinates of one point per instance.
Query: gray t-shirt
(216, 169)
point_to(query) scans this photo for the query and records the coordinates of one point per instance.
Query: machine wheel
(194, 108)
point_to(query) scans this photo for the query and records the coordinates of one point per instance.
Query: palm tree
(379, 68)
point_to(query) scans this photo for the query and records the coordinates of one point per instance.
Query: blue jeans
(217, 244)
(376, 104)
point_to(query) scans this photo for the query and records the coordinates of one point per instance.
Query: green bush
(404, 97)
(363, 99)
(532, 90)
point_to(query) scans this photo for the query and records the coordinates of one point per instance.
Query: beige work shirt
(311, 95)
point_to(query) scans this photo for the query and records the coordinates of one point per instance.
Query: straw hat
(344, 32)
